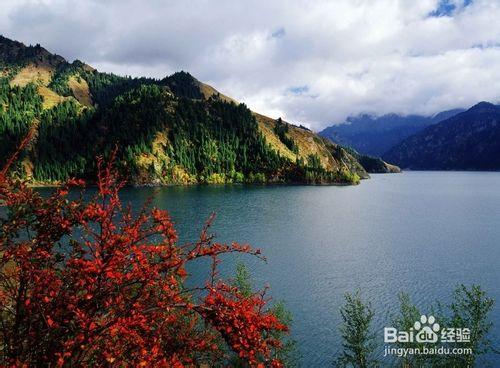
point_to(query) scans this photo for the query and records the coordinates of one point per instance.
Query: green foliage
(237, 177)
(218, 137)
(289, 353)
(408, 314)
(216, 178)
(358, 339)
(314, 162)
(9, 71)
(313, 172)
(184, 85)
(197, 140)
(469, 308)
(258, 178)
(281, 130)
(212, 139)
(61, 129)
(347, 176)
(19, 109)
(369, 163)
(242, 279)
(372, 164)
(59, 81)
(104, 87)
(134, 117)
(165, 130)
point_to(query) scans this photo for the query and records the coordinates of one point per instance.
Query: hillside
(467, 141)
(375, 135)
(176, 130)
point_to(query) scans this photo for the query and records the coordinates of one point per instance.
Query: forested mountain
(467, 141)
(176, 130)
(375, 135)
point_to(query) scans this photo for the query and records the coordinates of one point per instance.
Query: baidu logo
(426, 330)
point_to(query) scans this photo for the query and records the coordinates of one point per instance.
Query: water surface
(418, 232)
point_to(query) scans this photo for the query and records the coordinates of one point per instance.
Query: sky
(312, 62)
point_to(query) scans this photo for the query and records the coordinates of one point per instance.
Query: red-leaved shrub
(88, 283)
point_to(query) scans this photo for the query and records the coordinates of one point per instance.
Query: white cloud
(344, 56)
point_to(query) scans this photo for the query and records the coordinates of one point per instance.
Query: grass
(80, 90)
(50, 98)
(41, 75)
(208, 91)
(308, 142)
(266, 126)
(38, 74)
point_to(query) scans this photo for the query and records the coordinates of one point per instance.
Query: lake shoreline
(191, 185)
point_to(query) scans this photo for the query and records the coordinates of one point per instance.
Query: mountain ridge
(375, 135)
(154, 122)
(469, 140)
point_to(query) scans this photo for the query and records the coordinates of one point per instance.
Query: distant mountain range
(372, 135)
(466, 141)
(176, 130)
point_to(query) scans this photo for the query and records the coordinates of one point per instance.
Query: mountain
(374, 135)
(372, 164)
(176, 130)
(467, 141)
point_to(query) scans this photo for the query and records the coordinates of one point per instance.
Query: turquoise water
(418, 232)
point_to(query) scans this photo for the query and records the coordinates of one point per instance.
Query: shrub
(88, 283)
(258, 178)
(358, 339)
(469, 308)
(288, 353)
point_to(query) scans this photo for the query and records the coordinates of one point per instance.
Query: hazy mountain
(467, 141)
(374, 135)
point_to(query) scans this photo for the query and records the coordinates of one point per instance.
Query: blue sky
(312, 62)
(446, 8)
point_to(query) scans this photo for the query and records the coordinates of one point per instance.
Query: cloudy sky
(311, 62)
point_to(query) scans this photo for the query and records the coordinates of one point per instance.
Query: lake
(418, 232)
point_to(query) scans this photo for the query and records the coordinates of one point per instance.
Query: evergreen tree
(358, 339)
